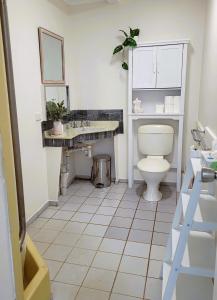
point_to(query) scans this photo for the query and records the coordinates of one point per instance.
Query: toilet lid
(153, 165)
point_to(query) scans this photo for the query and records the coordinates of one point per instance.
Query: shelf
(206, 212)
(155, 116)
(157, 89)
(189, 287)
(194, 262)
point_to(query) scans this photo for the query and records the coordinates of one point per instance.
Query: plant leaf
(124, 32)
(129, 42)
(125, 66)
(118, 49)
(134, 32)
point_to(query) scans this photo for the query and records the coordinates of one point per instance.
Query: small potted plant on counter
(55, 112)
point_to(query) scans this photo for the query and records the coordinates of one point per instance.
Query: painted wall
(208, 94)
(96, 79)
(25, 17)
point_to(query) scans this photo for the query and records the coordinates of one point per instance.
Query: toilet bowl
(154, 141)
(153, 170)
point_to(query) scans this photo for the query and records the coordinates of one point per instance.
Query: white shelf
(190, 287)
(155, 116)
(206, 212)
(157, 89)
(198, 245)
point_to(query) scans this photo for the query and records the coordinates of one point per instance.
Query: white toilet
(154, 141)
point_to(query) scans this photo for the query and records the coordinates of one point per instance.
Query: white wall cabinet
(157, 67)
(156, 70)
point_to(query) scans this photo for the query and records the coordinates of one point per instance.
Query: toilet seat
(155, 165)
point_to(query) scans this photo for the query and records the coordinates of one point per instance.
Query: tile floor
(103, 244)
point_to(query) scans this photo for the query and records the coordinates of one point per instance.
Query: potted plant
(130, 40)
(55, 112)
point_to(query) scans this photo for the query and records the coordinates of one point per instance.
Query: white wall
(25, 17)
(96, 79)
(208, 94)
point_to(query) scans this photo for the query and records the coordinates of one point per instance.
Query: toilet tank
(155, 139)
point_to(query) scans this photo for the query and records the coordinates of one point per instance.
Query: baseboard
(40, 211)
(37, 213)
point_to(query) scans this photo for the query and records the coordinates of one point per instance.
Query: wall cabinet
(157, 67)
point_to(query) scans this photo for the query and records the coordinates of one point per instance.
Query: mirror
(57, 93)
(52, 57)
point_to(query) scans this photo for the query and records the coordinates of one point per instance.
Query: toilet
(154, 141)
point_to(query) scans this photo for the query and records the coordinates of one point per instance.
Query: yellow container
(36, 274)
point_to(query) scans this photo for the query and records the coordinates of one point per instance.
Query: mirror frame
(42, 31)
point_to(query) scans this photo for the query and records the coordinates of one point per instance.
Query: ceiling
(75, 6)
(82, 2)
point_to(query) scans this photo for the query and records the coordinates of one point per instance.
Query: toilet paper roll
(176, 100)
(169, 104)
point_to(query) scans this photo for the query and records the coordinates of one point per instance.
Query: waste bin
(101, 171)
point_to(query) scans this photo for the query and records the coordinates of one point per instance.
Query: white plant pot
(57, 128)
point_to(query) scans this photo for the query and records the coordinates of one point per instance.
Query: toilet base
(152, 194)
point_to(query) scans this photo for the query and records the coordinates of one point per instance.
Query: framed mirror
(57, 93)
(51, 48)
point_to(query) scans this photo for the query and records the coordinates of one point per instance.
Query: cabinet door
(144, 67)
(169, 66)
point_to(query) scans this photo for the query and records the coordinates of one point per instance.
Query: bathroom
(100, 242)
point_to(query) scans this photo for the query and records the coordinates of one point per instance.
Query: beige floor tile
(137, 249)
(114, 196)
(162, 227)
(81, 256)
(140, 236)
(125, 212)
(164, 217)
(57, 252)
(63, 215)
(75, 227)
(145, 215)
(67, 239)
(107, 211)
(160, 239)
(54, 267)
(155, 268)
(39, 223)
(99, 279)
(89, 242)
(131, 197)
(143, 224)
(91, 209)
(42, 247)
(112, 245)
(61, 291)
(110, 203)
(129, 284)
(72, 274)
(128, 204)
(82, 217)
(98, 194)
(48, 213)
(45, 236)
(95, 230)
(70, 206)
(144, 205)
(32, 231)
(55, 224)
(90, 294)
(121, 222)
(134, 265)
(101, 220)
(117, 233)
(153, 289)
(157, 252)
(93, 201)
(107, 261)
(123, 297)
